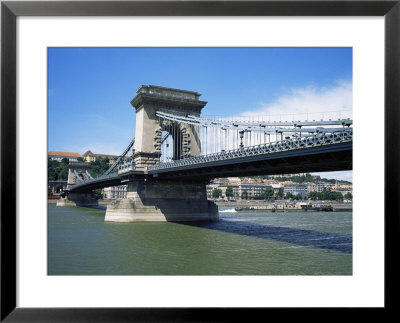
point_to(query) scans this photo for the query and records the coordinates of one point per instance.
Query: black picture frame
(10, 10)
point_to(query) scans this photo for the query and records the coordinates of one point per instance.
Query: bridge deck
(314, 159)
(329, 157)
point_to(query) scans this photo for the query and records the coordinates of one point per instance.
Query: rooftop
(167, 91)
(89, 153)
(151, 93)
(63, 154)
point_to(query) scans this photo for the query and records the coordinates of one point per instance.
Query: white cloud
(309, 103)
(312, 103)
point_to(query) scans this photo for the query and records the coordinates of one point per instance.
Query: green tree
(298, 197)
(51, 169)
(313, 195)
(57, 170)
(336, 196)
(280, 192)
(348, 196)
(63, 172)
(229, 191)
(245, 195)
(324, 195)
(289, 195)
(268, 193)
(65, 161)
(308, 178)
(216, 193)
(99, 166)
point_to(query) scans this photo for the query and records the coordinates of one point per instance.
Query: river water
(240, 243)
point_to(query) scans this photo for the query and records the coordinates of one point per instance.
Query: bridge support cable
(315, 140)
(120, 158)
(88, 175)
(219, 135)
(249, 124)
(78, 176)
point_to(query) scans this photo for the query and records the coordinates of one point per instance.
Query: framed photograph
(54, 50)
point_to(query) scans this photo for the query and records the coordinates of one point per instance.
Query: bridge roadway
(335, 156)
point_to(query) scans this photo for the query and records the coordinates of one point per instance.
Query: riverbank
(238, 203)
(101, 202)
(265, 203)
(253, 205)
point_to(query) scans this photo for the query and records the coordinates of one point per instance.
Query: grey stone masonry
(151, 99)
(163, 201)
(78, 199)
(80, 168)
(143, 159)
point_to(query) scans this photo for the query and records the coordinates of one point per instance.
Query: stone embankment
(262, 202)
(235, 203)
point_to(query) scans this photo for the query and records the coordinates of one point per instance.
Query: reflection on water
(315, 243)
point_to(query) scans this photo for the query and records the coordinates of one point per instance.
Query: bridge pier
(163, 201)
(78, 199)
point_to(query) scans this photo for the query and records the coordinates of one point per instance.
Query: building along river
(240, 243)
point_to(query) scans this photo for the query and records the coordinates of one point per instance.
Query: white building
(115, 192)
(59, 155)
(344, 189)
(318, 187)
(276, 188)
(296, 189)
(253, 189)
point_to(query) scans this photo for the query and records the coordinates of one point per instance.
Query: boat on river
(289, 207)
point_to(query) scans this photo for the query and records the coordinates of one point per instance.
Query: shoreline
(264, 203)
(238, 203)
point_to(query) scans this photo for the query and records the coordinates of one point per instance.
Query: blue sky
(89, 89)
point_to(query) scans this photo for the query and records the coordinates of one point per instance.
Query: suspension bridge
(175, 152)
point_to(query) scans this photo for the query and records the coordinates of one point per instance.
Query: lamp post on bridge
(241, 134)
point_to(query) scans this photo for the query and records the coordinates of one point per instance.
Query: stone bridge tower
(157, 199)
(76, 172)
(149, 100)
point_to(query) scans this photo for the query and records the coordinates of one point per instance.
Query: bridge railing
(94, 181)
(119, 159)
(127, 167)
(278, 146)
